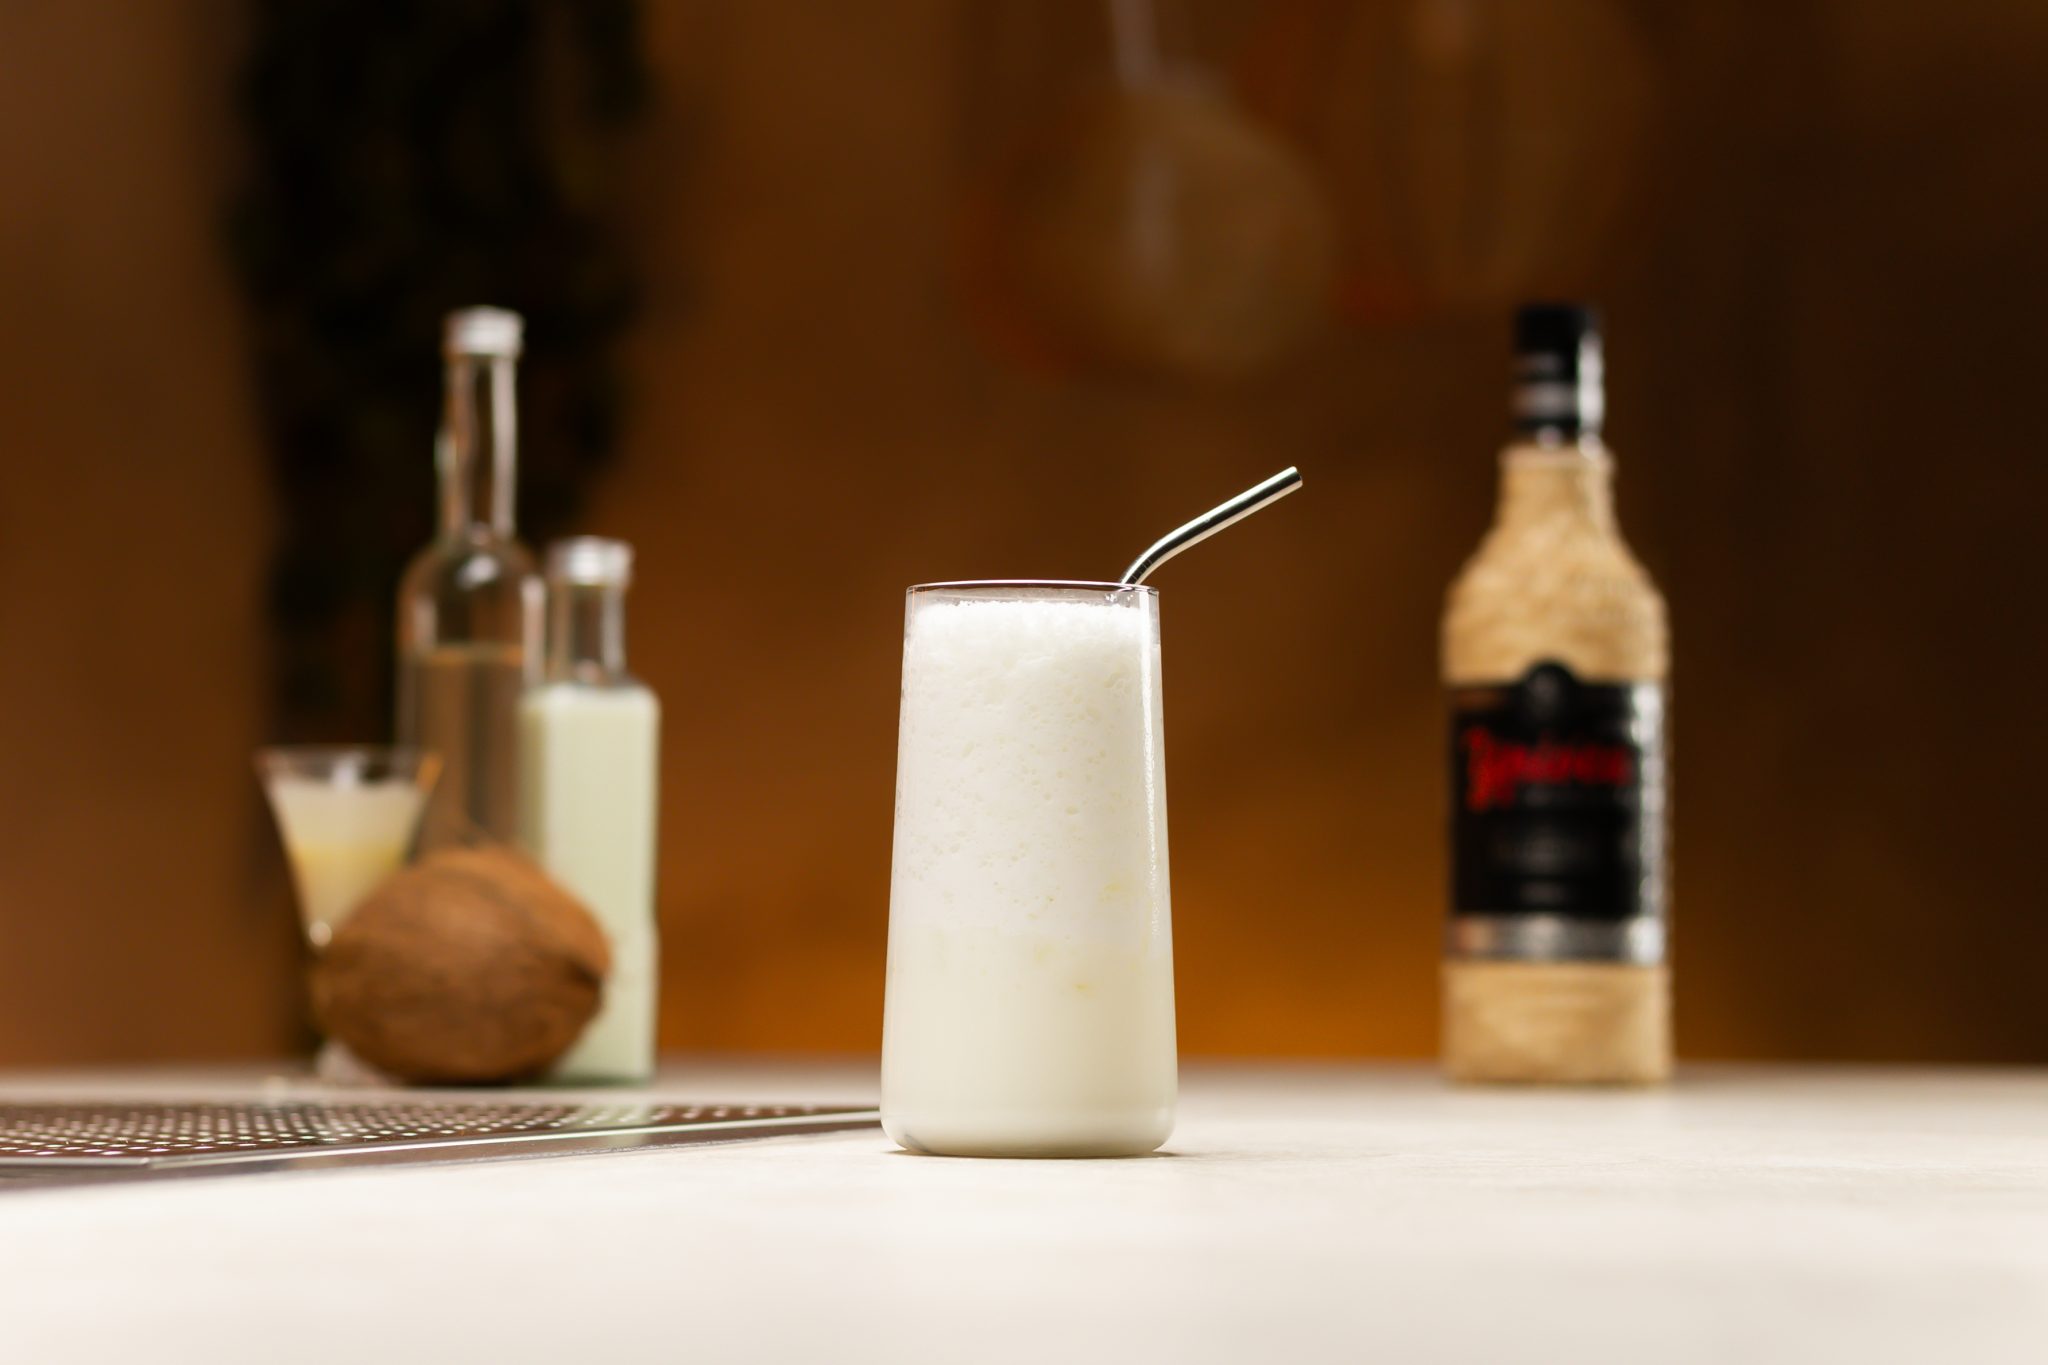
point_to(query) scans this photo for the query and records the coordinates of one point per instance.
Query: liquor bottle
(1555, 655)
(469, 606)
(589, 756)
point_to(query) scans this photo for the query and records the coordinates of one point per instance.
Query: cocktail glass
(348, 816)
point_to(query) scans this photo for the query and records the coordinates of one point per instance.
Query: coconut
(469, 967)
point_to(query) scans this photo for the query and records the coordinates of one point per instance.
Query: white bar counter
(1302, 1213)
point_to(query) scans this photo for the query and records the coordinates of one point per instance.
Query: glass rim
(1042, 584)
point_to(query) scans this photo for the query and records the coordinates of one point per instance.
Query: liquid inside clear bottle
(470, 605)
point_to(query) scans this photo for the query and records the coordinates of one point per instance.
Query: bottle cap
(489, 333)
(1558, 370)
(591, 560)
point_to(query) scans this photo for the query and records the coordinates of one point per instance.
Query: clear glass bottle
(470, 604)
(590, 758)
(1555, 657)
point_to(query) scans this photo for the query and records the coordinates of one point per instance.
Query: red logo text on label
(1496, 770)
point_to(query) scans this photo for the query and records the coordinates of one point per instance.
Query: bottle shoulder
(455, 594)
(472, 565)
(1572, 594)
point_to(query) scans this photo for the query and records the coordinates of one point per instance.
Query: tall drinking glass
(1030, 991)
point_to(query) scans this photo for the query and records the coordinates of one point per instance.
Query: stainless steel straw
(1212, 521)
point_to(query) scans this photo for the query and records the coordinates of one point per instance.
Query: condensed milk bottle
(1555, 658)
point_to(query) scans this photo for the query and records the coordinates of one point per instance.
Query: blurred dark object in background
(1121, 209)
(407, 159)
(1478, 152)
(1191, 188)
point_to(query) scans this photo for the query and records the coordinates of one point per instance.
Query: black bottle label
(1558, 798)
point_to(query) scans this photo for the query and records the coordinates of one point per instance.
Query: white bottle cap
(592, 560)
(492, 333)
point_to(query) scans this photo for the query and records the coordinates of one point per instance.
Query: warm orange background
(1826, 356)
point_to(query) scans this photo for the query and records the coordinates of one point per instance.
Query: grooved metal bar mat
(114, 1141)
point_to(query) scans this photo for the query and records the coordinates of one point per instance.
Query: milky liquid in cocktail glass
(348, 817)
(1029, 1009)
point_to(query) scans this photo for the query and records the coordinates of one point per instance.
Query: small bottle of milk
(589, 745)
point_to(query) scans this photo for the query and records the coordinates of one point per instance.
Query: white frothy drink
(1030, 991)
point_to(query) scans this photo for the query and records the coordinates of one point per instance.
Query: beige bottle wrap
(1553, 580)
(1557, 1022)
